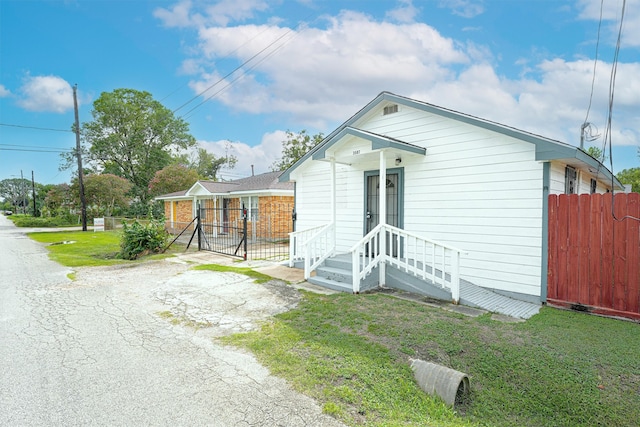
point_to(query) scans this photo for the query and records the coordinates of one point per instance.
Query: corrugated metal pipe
(450, 385)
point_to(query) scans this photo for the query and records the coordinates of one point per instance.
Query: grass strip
(258, 277)
(351, 353)
(86, 249)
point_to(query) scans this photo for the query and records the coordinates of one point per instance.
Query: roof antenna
(587, 128)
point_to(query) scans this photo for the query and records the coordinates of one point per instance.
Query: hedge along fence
(594, 253)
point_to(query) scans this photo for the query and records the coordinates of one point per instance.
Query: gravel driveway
(117, 346)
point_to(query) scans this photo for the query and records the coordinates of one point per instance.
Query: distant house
(464, 200)
(268, 201)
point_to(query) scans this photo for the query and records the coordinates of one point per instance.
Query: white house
(463, 195)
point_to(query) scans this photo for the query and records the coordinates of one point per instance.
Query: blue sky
(311, 64)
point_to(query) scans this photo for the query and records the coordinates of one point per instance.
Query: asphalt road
(117, 346)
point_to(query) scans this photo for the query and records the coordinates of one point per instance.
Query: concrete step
(335, 273)
(331, 284)
(342, 262)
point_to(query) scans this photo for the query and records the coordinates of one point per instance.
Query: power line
(36, 128)
(35, 146)
(244, 73)
(595, 63)
(229, 74)
(226, 56)
(35, 151)
(238, 68)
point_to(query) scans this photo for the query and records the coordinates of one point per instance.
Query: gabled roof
(377, 142)
(545, 148)
(258, 183)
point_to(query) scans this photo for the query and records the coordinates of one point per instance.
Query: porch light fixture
(398, 161)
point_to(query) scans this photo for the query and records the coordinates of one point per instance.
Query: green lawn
(84, 249)
(351, 353)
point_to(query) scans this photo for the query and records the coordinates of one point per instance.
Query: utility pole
(83, 202)
(24, 202)
(33, 192)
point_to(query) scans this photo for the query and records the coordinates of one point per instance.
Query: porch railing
(313, 246)
(422, 257)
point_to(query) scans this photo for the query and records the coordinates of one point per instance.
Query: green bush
(140, 239)
(30, 221)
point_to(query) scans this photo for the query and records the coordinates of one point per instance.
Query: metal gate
(259, 232)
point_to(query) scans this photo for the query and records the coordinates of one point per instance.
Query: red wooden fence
(594, 256)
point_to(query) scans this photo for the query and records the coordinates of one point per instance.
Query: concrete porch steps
(336, 274)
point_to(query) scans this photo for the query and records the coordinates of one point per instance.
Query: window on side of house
(390, 109)
(570, 180)
(594, 185)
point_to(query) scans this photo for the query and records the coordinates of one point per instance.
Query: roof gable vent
(390, 109)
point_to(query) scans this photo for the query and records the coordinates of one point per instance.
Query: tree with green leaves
(134, 136)
(630, 176)
(104, 193)
(17, 192)
(172, 178)
(208, 165)
(58, 201)
(596, 153)
(294, 147)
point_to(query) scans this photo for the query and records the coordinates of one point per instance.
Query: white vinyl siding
(583, 181)
(475, 189)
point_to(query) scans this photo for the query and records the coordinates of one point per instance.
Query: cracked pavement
(117, 346)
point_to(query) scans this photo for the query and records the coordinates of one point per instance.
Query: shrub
(30, 221)
(140, 239)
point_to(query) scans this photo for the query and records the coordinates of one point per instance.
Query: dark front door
(394, 190)
(372, 205)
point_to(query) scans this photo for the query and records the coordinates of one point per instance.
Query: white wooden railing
(424, 258)
(297, 240)
(313, 246)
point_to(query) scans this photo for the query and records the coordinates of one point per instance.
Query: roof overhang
(368, 141)
(546, 149)
(351, 145)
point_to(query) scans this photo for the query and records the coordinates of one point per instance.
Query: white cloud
(177, 16)
(318, 77)
(46, 93)
(405, 12)
(222, 12)
(464, 8)
(611, 13)
(261, 156)
(4, 92)
(334, 67)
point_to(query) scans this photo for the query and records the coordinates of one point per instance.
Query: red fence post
(552, 248)
(584, 223)
(595, 250)
(606, 277)
(633, 254)
(619, 252)
(562, 257)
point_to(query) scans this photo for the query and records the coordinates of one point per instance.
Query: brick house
(268, 201)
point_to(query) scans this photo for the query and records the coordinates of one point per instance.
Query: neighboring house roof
(545, 148)
(258, 183)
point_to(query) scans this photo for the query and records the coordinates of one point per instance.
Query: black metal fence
(258, 233)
